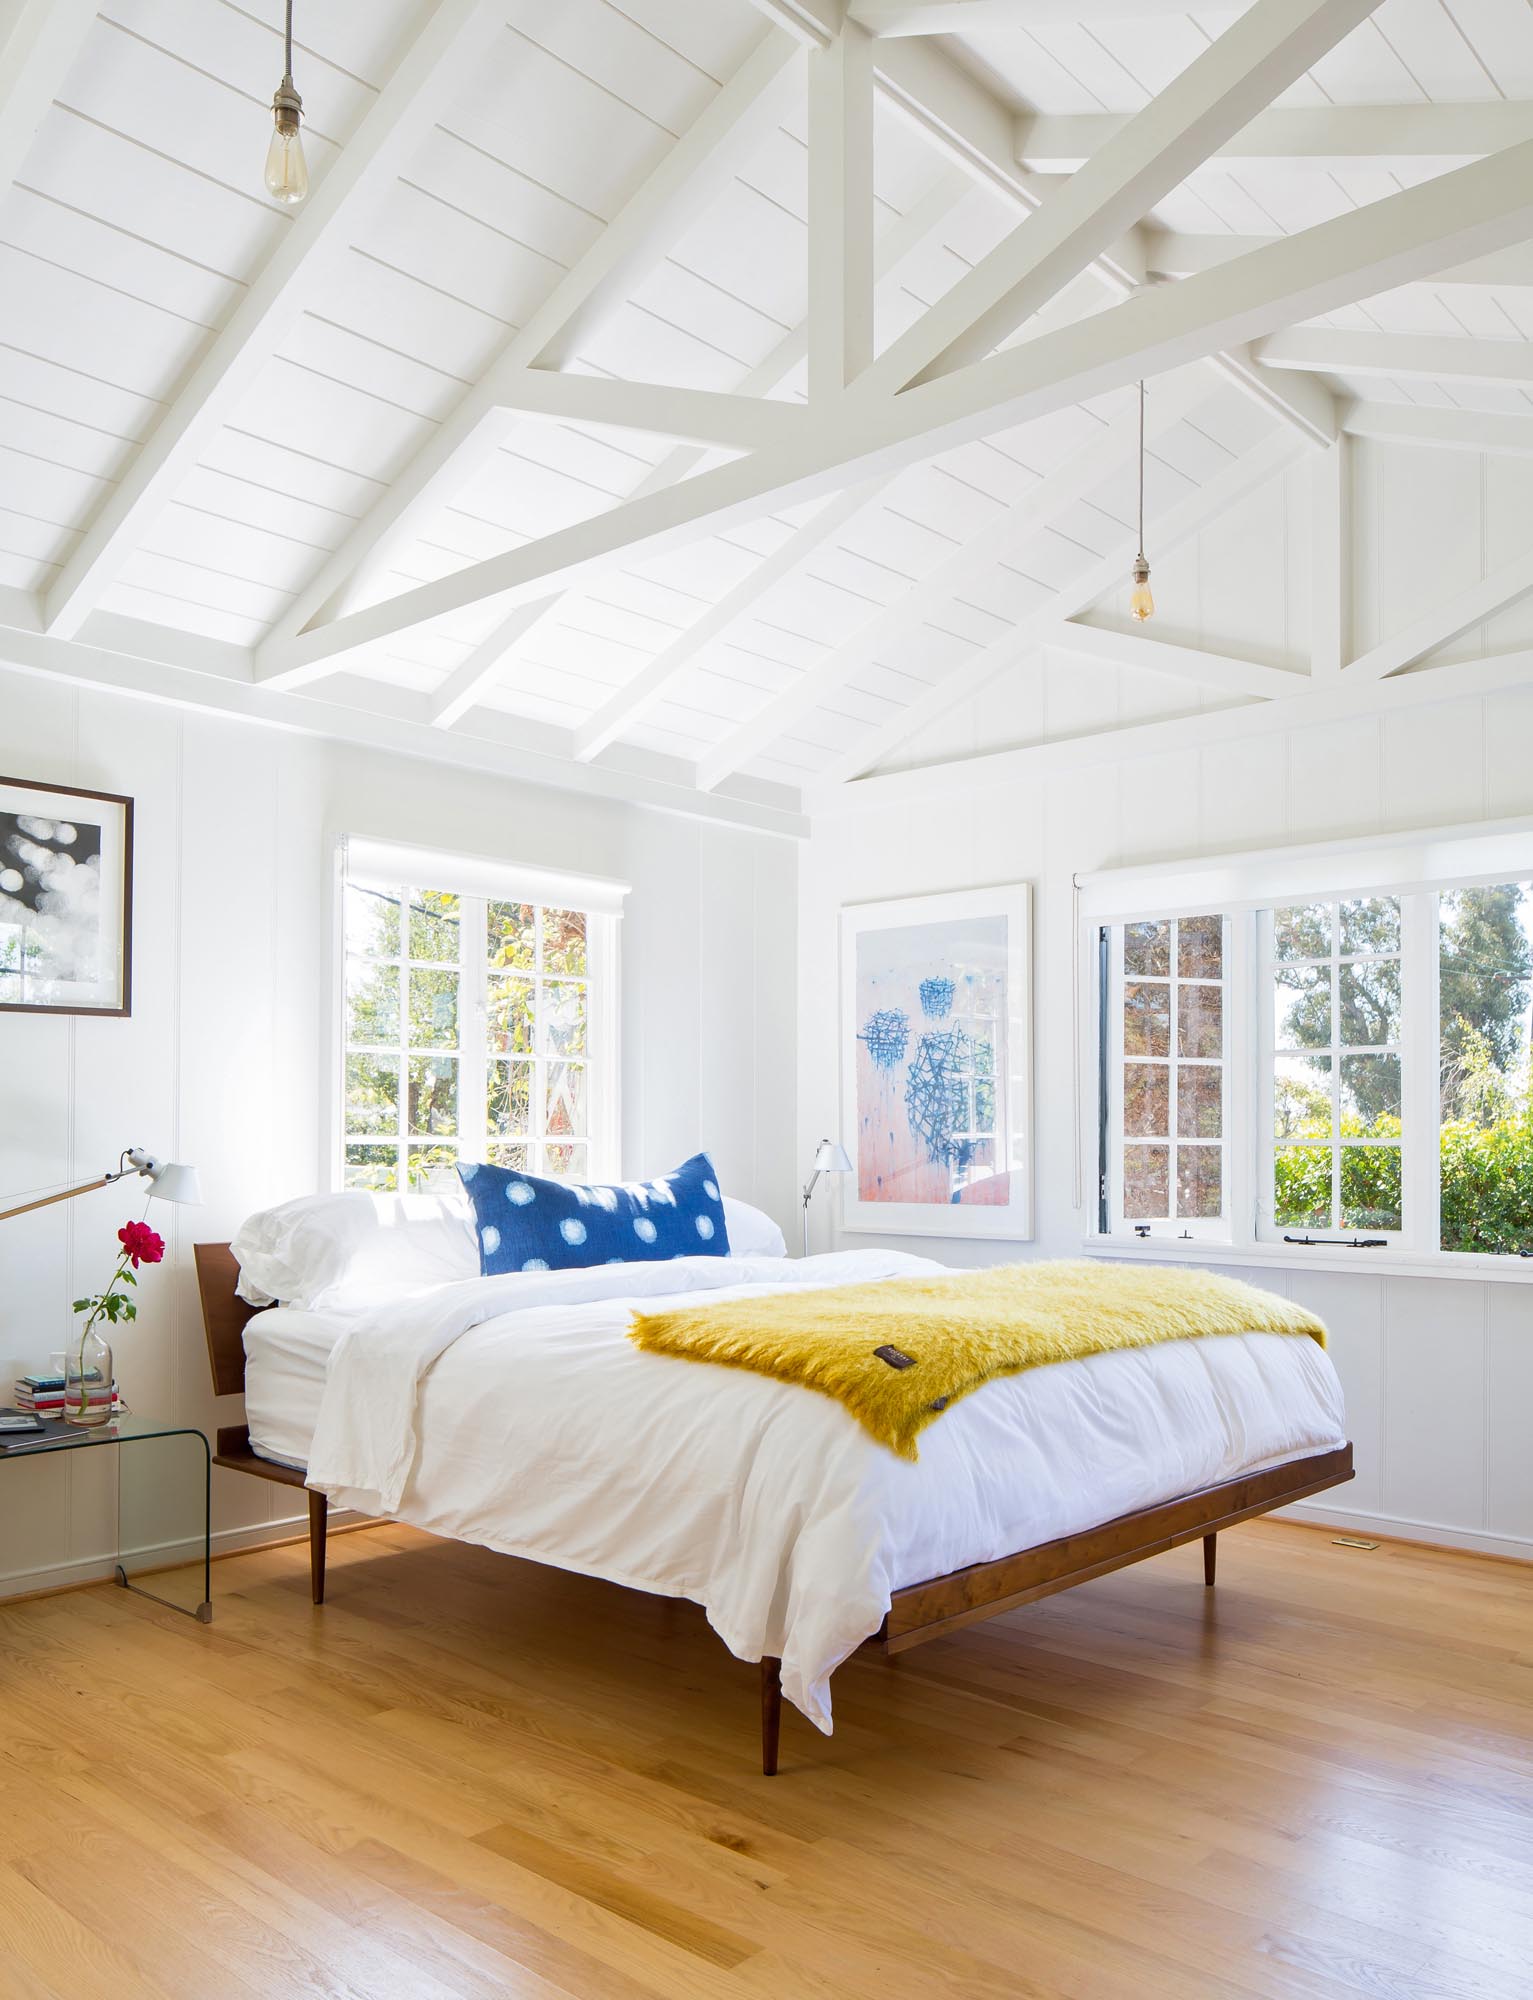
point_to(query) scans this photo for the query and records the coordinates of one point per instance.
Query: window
(474, 1027)
(1334, 972)
(1485, 985)
(1347, 1068)
(1171, 1063)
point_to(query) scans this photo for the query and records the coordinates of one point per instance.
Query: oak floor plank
(467, 1778)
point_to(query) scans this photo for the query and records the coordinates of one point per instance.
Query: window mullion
(473, 1029)
(1242, 1089)
(1115, 1179)
(539, 1076)
(402, 1123)
(1420, 1090)
(1336, 1176)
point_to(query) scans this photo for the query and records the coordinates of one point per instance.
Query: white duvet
(514, 1412)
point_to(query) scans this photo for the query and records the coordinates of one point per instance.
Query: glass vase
(88, 1380)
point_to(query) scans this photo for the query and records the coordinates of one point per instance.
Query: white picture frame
(937, 1064)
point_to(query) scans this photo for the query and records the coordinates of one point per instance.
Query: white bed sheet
(287, 1351)
(543, 1432)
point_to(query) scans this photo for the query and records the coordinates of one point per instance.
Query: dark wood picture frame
(918, 1612)
(125, 960)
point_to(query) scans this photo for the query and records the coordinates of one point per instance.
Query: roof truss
(959, 17)
(1476, 208)
(1323, 139)
(952, 377)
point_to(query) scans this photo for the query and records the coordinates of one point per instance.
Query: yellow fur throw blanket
(899, 1352)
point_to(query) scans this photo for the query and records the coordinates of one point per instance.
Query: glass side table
(163, 1502)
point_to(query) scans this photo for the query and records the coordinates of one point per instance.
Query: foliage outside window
(467, 1036)
(1381, 1048)
(1485, 982)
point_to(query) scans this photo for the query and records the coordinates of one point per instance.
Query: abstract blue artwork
(937, 1092)
(936, 1077)
(887, 1036)
(931, 1011)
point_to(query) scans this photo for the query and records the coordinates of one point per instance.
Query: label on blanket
(894, 1357)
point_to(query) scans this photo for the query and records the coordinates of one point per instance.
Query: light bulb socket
(1141, 568)
(287, 108)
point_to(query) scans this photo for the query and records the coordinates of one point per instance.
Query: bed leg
(1210, 1559)
(771, 1715)
(319, 1509)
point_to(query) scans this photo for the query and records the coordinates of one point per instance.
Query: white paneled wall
(1438, 1372)
(221, 1062)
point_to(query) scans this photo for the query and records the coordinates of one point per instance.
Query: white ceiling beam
(465, 686)
(1030, 763)
(1301, 401)
(813, 24)
(972, 17)
(1171, 254)
(1324, 138)
(428, 71)
(1175, 253)
(1475, 209)
(654, 682)
(954, 112)
(840, 213)
(1260, 54)
(467, 682)
(678, 189)
(1225, 490)
(1140, 653)
(1082, 472)
(1327, 350)
(700, 416)
(1331, 558)
(1440, 429)
(185, 671)
(39, 40)
(1446, 621)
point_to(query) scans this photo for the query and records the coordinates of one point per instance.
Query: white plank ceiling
(137, 222)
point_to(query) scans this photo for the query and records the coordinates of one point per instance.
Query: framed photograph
(66, 900)
(936, 1064)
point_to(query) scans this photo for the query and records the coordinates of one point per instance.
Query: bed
(515, 1412)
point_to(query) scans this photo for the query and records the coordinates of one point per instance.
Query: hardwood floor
(468, 1778)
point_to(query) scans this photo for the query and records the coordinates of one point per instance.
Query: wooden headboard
(224, 1314)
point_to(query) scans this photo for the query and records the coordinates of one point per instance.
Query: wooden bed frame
(919, 1612)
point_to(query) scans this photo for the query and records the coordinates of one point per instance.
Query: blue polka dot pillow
(526, 1223)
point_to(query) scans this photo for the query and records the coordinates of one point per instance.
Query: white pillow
(356, 1248)
(752, 1232)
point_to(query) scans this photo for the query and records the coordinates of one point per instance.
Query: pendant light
(1141, 601)
(287, 173)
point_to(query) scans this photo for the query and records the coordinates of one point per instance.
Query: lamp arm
(132, 1160)
(47, 1200)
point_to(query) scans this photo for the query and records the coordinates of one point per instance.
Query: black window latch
(1339, 1242)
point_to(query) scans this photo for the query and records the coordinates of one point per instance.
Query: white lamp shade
(831, 1158)
(176, 1182)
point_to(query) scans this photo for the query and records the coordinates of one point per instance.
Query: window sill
(1285, 1256)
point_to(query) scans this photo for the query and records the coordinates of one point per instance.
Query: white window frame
(1417, 868)
(1414, 1018)
(1182, 1229)
(479, 881)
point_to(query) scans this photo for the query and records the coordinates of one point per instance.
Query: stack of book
(44, 1394)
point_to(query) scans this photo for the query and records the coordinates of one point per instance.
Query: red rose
(143, 1244)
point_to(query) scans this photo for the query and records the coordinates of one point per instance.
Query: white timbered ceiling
(721, 392)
